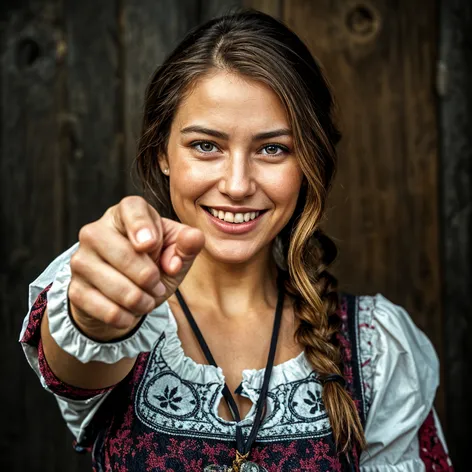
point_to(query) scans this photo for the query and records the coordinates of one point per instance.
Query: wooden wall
(455, 182)
(381, 58)
(72, 79)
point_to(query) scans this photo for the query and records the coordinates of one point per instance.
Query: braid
(260, 47)
(316, 302)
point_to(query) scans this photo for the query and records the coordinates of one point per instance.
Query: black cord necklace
(243, 448)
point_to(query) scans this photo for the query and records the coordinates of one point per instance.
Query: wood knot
(363, 21)
(27, 53)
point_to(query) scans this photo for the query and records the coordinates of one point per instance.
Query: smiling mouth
(235, 218)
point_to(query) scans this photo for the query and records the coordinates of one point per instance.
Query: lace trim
(368, 340)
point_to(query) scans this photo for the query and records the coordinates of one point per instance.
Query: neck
(233, 289)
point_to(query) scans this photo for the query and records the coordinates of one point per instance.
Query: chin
(231, 252)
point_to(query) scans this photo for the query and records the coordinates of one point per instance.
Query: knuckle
(74, 292)
(133, 299)
(136, 210)
(112, 315)
(128, 260)
(110, 211)
(148, 277)
(131, 200)
(86, 233)
(77, 262)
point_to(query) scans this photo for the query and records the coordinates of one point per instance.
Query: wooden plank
(380, 58)
(213, 8)
(150, 29)
(32, 208)
(271, 7)
(455, 77)
(92, 124)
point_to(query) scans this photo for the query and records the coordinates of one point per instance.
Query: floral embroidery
(170, 404)
(314, 401)
(169, 399)
(123, 442)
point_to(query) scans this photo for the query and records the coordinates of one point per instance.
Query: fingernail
(143, 235)
(160, 289)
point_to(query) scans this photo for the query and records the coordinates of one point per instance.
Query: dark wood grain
(384, 216)
(72, 81)
(94, 166)
(34, 437)
(213, 8)
(271, 7)
(150, 30)
(455, 78)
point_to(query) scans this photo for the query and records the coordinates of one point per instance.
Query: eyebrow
(219, 134)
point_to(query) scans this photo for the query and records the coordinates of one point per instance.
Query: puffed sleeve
(400, 371)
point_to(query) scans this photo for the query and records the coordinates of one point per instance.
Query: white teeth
(233, 217)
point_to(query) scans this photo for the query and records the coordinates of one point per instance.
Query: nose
(237, 182)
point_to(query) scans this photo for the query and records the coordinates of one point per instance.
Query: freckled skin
(238, 170)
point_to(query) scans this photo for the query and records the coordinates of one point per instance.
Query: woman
(224, 263)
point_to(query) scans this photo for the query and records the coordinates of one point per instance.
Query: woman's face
(233, 171)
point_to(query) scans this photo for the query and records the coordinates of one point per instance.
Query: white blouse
(399, 366)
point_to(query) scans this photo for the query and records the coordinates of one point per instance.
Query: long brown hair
(258, 46)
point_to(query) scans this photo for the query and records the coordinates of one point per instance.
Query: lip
(232, 228)
(233, 209)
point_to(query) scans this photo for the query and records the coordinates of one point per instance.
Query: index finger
(141, 223)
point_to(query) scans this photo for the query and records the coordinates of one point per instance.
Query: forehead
(231, 101)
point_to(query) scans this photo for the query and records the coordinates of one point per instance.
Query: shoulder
(398, 361)
(399, 371)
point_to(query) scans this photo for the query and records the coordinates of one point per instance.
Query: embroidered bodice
(164, 415)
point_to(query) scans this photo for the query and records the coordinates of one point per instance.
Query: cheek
(189, 180)
(285, 188)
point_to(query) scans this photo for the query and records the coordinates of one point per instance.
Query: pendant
(251, 467)
(245, 467)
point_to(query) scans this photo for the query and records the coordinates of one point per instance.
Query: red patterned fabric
(33, 330)
(32, 337)
(58, 387)
(432, 451)
(123, 443)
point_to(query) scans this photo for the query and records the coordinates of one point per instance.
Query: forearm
(92, 375)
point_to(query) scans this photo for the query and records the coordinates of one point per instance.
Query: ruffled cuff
(73, 341)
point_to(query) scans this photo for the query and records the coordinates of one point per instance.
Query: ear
(163, 164)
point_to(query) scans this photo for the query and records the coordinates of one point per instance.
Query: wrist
(98, 331)
(74, 335)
